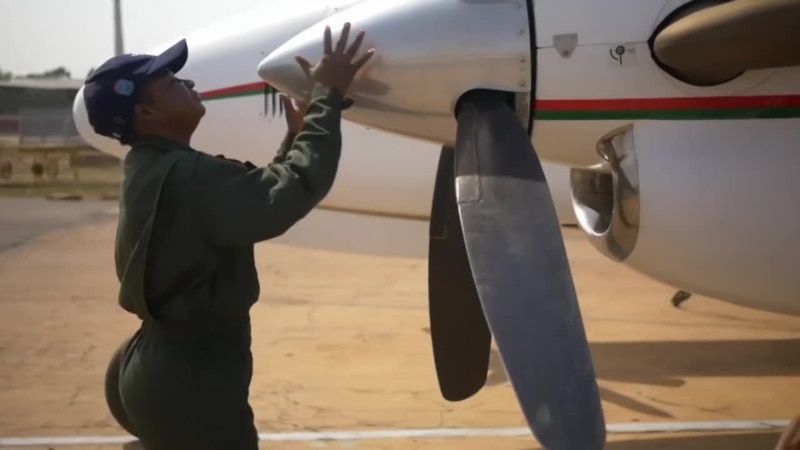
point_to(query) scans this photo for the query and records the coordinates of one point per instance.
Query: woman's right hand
(337, 69)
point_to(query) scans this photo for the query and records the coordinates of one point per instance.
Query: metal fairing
(429, 53)
(709, 215)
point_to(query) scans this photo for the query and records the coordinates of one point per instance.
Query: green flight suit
(184, 256)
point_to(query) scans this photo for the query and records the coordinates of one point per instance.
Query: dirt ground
(323, 331)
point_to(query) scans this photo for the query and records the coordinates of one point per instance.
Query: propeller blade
(520, 266)
(459, 334)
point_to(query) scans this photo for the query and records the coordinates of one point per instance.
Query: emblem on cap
(123, 87)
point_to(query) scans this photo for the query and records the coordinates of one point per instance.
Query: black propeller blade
(520, 267)
(459, 333)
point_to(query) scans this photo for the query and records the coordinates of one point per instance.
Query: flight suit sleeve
(237, 206)
(286, 145)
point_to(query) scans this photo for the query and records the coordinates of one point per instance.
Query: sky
(38, 35)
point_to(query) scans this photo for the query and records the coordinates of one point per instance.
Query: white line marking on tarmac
(429, 433)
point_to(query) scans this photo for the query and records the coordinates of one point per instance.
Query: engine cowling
(705, 206)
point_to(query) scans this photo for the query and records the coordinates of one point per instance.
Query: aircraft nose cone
(85, 130)
(80, 117)
(281, 71)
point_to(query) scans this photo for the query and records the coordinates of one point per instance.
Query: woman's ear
(144, 110)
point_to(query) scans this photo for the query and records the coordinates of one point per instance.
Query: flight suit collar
(161, 143)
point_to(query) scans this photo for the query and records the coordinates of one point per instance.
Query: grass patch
(108, 190)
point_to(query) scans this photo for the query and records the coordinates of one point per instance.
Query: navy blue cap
(112, 91)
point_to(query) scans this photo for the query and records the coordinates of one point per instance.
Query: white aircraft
(678, 121)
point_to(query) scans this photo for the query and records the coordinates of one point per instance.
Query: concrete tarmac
(24, 218)
(341, 343)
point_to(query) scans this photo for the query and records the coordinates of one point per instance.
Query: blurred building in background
(38, 137)
(38, 111)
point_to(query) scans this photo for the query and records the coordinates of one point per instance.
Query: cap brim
(173, 58)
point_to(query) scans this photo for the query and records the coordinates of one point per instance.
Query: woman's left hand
(295, 112)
